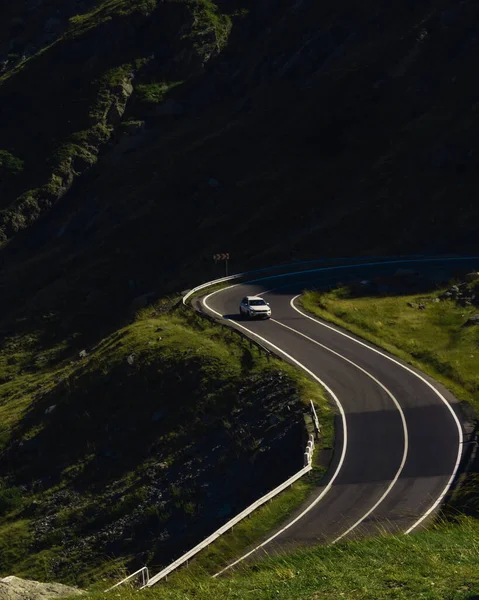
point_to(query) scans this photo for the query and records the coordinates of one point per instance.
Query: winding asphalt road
(398, 438)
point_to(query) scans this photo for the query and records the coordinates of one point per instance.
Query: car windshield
(257, 302)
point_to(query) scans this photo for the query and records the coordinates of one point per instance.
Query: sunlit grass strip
(434, 565)
(433, 339)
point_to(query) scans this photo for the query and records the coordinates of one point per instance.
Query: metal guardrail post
(310, 446)
(316, 420)
(145, 576)
(226, 527)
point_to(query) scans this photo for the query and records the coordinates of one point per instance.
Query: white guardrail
(397, 258)
(230, 524)
(147, 582)
(145, 576)
(317, 426)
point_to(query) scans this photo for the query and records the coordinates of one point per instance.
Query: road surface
(398, 436)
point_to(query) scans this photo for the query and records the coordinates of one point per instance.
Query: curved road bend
(398, 440)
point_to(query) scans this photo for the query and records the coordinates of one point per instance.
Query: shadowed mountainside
(163, 132)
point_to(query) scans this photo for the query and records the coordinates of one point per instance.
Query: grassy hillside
(438, 564)
(124, 454)
(420, 328)
(433, 331)
(139, 137)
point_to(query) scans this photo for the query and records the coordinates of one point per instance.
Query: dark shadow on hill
(147, 457)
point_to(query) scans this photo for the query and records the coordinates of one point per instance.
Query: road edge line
(432, 387)
(398, 406)
(345, 436)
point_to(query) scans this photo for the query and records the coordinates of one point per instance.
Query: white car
(254, 306)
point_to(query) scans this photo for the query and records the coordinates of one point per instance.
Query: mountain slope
(138, 137)
(326, 129)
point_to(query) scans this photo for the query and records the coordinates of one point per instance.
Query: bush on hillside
(9, 165)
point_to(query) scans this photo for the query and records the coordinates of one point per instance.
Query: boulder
(472, 277)
(14, 588)
(472, 321)
(121, 94)
(446, 296)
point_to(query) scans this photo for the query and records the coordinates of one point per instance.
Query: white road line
(345, 437)
(398, 406)
(436, 391)
(443, 399)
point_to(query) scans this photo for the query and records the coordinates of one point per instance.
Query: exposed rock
(463, 294)
(121, 94)
(14, 588)
(472, 277)
(413, 304)
(474, 320)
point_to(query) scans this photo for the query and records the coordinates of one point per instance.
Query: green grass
(210, 29)
(432, 339)
(9, 165)
(264, 520)
(156, 91)
(126, 417)
(15, 541)
(106, 11)
(433, 565)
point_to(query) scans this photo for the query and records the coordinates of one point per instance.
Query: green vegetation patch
(124, 450)
(210, 29)
(9, 165)
(433, 338)
(437, 564)
(156, 91)
(106, 11)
